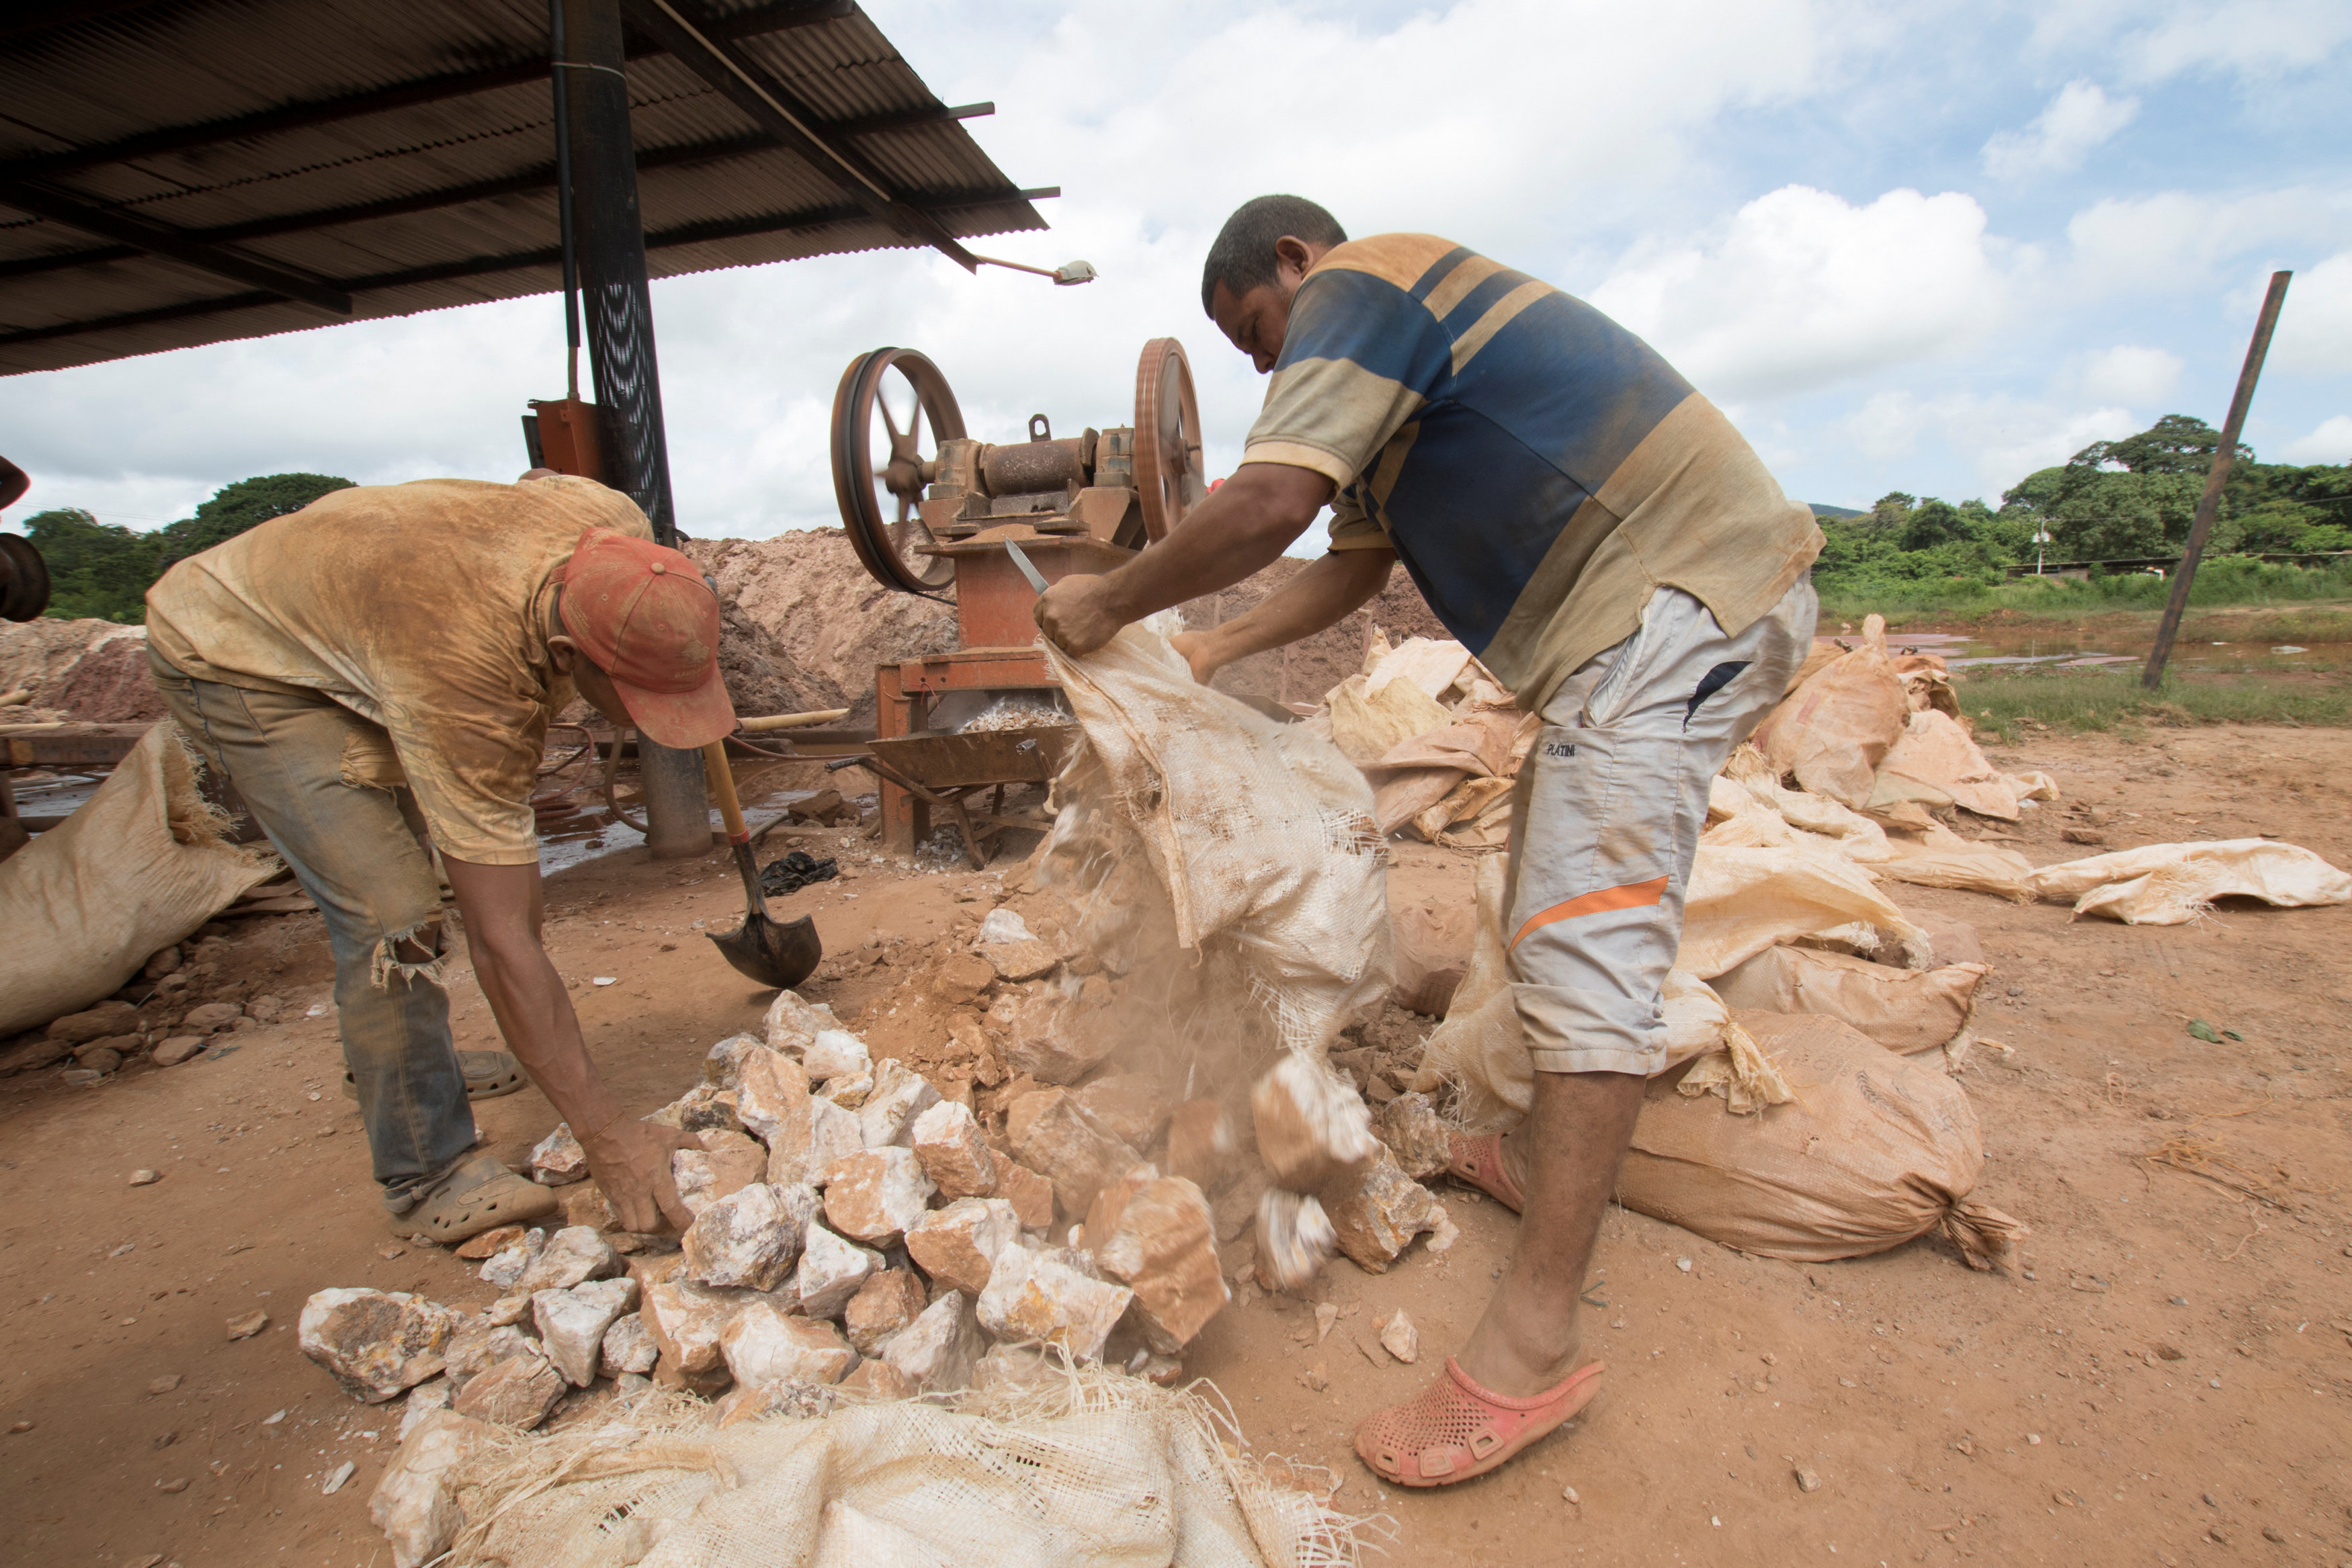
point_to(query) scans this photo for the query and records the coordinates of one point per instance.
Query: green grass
(2012, 706)
(2225, 581)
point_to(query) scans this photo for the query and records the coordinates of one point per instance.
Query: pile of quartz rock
(856, 1231)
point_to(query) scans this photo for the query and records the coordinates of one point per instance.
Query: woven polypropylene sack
(142, 864)
(1906, 1011)
(2171, 884)
(1110, 1472)
(1258, 833)
(1874, 1149)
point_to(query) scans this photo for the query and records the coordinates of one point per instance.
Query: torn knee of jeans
(411, 954)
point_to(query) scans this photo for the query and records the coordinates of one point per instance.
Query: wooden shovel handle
(722, 784)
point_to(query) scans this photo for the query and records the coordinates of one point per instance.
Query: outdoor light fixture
(1069, 272)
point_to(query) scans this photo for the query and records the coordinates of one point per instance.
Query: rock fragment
(557, 1159)
(573, 1323)
(1410, 1126)
(722, 1064)
(750, 1238)
(178, 1049)
(205, 1019)
(247, 1324)
(772, 1098)
(377, 1343)
(1037, 1296)
(477, 1347)
(505, 1267)
(836, 1053)
(423, 1400)
(947, 1142)
(873, 1196)
(963, 977)
(937, 1351)
(764, 1347)
(476, 1249)
(790, 1024)
(414, 1505)
(687, 1319)
(121, 1017)
(1311, 1126)
(880, 1381)
(628, 1347)
(1031, 1195)
(899, 1094)
(883, 1305)
(1048, 1133)
(572, 1256)
(1399, 1337)
(957, 1246)
(1162, 1244)
(1376, 1213)
(519, 1393)
(1025, 959)
(1050, 1041)
(584, 1204)
(831, 1271)
(1130, 1106)
(1202, 1144)
(1294, 1238)
(728, 1162)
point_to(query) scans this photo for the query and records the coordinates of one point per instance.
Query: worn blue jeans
(322, 783)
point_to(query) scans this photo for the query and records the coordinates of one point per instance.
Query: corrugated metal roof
(404, 155)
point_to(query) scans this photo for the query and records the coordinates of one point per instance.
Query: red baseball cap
(642, 613)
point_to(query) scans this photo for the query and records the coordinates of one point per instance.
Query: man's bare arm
(502, 906)
(1327, 593)
(1243, 524)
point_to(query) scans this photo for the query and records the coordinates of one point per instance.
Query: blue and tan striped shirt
(1539, 469)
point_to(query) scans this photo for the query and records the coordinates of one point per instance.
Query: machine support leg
(906, 818)
(611, 242)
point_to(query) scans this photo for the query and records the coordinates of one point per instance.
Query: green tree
(1892, 510)
(104, 570)
(236, 508)
(95, 568)
(1933, 523)
(2177, 443)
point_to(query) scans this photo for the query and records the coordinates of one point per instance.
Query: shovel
(774, 955)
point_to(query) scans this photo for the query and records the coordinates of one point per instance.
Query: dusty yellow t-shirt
(425, 608)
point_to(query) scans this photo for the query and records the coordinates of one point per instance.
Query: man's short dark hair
(1243, 256)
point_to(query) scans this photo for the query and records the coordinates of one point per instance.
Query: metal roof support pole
(610, 240)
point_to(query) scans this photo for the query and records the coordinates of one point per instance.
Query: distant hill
(1840, 512)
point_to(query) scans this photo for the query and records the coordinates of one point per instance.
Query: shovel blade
(782, 956)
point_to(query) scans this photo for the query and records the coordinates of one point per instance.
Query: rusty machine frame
(929, 511)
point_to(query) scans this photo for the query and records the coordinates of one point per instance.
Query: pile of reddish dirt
(833, 622)
(95, 671)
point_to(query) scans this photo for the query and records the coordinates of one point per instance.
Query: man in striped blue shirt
(1615, 553)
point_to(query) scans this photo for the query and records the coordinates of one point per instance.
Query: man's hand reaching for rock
(630, 1160)
(1075, 613)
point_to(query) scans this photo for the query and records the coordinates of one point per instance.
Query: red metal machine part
(929, 510)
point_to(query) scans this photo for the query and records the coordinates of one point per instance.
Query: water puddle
(2057, 649)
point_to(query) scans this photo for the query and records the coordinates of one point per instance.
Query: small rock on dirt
(178, 1049)
(1048, 1131)
(477, 1248)
(97, 1023)
(557, 1159)
(572, 1256)
(145, 1177)
(963, 977)
(750, 1238)
(413, 1505)
(1376, 1215)
(165, 1383)
(1400, 1338)
(377, 1343)
(246, 1325)
(210, 1018)
(1807, 1480)
(764, 1347)
(1162, 1245)
(518, 1393)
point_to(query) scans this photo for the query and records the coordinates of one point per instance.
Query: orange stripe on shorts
(1633, 895)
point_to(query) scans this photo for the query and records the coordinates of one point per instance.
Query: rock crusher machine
(930, 511)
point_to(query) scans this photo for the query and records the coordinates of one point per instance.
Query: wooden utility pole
(2209, 505)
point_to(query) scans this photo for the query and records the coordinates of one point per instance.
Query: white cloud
(2172, 241)
(2002, 439)
(2131, 374)
(2079, 118)
(2315, 328)
(1801, 289)
(2255, 41)
(2331, 442)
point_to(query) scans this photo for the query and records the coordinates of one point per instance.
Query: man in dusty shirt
(375, 674)
(1599, 535)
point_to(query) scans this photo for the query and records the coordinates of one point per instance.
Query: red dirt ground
(2032, 1417)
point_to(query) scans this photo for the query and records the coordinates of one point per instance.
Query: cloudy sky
(1908, 244)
